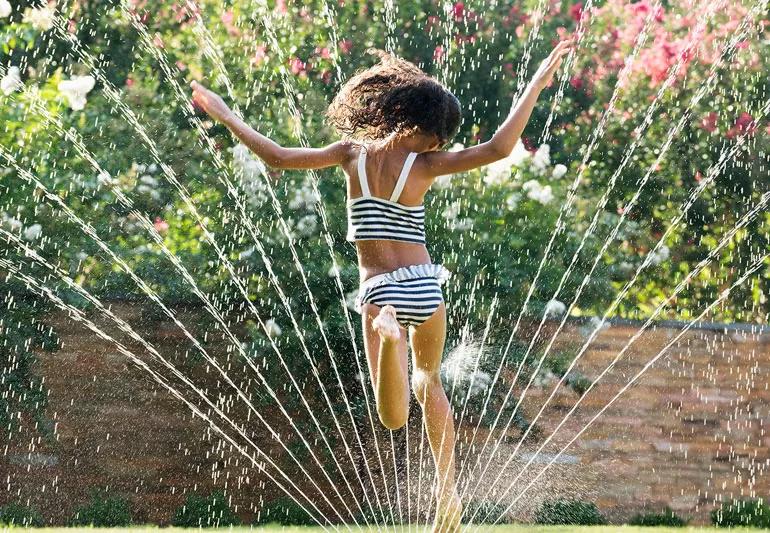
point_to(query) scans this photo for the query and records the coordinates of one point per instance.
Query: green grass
(490, 529)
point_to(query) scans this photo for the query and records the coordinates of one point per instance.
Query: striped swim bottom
(414, 291)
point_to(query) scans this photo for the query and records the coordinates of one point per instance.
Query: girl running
(394, 120)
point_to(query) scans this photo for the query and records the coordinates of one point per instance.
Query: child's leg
(428, 347)
(386, 352)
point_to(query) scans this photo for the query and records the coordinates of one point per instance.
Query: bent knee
(423, 381)
(393, 420)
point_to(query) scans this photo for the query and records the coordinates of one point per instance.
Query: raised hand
(550, 64)
(210, 102)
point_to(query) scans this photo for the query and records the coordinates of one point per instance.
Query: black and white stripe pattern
(415, 292)
(373, 218)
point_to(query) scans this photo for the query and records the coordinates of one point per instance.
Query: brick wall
(691, 431)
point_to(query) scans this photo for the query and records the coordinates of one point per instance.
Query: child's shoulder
(347, 148)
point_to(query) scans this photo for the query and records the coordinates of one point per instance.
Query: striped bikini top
(371, 218)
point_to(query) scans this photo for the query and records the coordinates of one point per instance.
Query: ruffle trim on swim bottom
(439, 272)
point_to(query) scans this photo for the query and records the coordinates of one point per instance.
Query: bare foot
(386, 324)
(449, 510)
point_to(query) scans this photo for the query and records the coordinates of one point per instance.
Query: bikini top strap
(402, 178)
(362, 172)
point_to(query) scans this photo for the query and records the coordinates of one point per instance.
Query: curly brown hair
(394, 96)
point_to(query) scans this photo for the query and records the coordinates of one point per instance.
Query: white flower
(81, 256)
(144, 189)
(512, 202)
(307, 225)
(463, 224)
(659, 255)
(554, 308)
(272, 328)
(304, 197)
(333, 271)
(456, 147)
(452, 210)
(442, 182)
(246, 253)
(149, 180)
(76, 89)
(537, 192)
(519, 154)
(11, 81)
(559, 171)
(41, 18)
(10, 222)
(105, 179)
(500, 170)
(33, 232)
(5, 8)
(542, 158)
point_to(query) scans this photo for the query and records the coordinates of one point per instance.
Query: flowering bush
(707, 65)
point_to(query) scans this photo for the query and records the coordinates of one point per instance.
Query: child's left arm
(273, 154)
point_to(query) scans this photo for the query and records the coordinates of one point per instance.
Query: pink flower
(346, 45)
(181, 65)
(659, 12)
(158, 41)
(161, 226)
(438, 53)
(323, 52)
(576, 82)
(508, 67)
(298, 67)
(709, 122)
(744, 125)
(326, 77)
(576, 11)
(459, 10)
(129, 82)
(259, 56)
(280, 6)
(698, 176)
(228, 18)
(640, 9)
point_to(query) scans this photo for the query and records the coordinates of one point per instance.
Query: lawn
(490, 529)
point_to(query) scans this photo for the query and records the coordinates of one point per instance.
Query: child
(406, 117)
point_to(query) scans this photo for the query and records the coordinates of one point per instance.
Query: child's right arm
(503, 141)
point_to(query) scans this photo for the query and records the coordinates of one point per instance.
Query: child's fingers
(196, 86)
